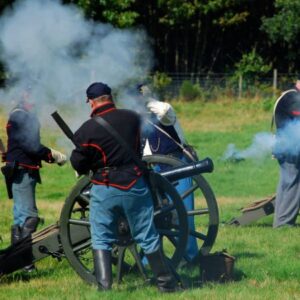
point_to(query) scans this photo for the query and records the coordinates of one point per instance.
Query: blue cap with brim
(96, 90)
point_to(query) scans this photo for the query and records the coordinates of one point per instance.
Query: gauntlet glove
(58, 157)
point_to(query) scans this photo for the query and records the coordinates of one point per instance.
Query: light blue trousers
(108, 204)
(23, 189)
(182, 186)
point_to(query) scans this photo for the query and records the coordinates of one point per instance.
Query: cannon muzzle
(203, 166)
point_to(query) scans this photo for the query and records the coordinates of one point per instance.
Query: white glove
(58, 157)
(163, 111)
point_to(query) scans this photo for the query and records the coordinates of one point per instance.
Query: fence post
(274, 82)
(240, 86)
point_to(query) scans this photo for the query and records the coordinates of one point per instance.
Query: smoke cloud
(56, 51)
(284, 143)
(261, 147)
(288, 140)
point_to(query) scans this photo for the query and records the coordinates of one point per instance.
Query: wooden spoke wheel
(170, 218)
(205, 212)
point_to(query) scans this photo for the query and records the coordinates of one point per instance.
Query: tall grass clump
(190, 92)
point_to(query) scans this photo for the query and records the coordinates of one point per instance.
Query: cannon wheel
(75, 235)
(206, 214)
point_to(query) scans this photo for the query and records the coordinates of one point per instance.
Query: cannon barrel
(203, 166)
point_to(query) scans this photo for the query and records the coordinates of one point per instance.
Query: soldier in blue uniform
(287, 151)
(166, 137)
(119, 188)
(23, 162)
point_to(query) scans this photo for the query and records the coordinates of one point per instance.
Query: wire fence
(228, 84)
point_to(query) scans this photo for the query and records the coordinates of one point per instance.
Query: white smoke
(285, 142)
(261, 147)
(288, 139)
(56, 51)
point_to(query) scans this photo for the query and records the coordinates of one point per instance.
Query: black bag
(217, 267)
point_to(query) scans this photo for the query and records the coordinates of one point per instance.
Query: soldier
(118, 187)
(23, 161)
(165, 136)
(287, 151)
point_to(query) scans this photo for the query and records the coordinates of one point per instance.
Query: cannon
(70, 237)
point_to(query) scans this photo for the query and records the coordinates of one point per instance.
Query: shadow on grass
(191, 278)
(260, 225)
(246, 254)
(24, 276)
(253, 224)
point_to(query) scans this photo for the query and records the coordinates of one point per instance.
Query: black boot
(16, 234)
(166, 281)
(103, 269)
(28, 228)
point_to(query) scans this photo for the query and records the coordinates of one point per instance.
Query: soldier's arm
(81, 155)
(163, 111)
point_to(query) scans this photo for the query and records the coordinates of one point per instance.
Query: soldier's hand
(58, 157)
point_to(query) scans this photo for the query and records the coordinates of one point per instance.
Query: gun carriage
(70, 236)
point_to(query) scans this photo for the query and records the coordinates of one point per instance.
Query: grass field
(267, 260)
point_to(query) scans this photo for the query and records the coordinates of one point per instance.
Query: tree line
(249, 37)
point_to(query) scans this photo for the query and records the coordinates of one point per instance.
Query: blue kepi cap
(97, 89)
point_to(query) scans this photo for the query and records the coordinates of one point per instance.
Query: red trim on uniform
(105, 111)
(29, 166)
(103, 104)
(8, 125)
(25, 165)
(138, 171)
(98, 148)
(126, 187)
(296, 112)
(101, 108)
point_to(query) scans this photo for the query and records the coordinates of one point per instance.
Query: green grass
(267, 260)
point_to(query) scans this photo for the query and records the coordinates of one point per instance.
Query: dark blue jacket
(98, 151)
(23, 144)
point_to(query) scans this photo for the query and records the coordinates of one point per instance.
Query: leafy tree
(285, 24)
(189, 91)
(206, 35)
(160, 82)
(251, 66)
(283, 29)
(117, 12)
